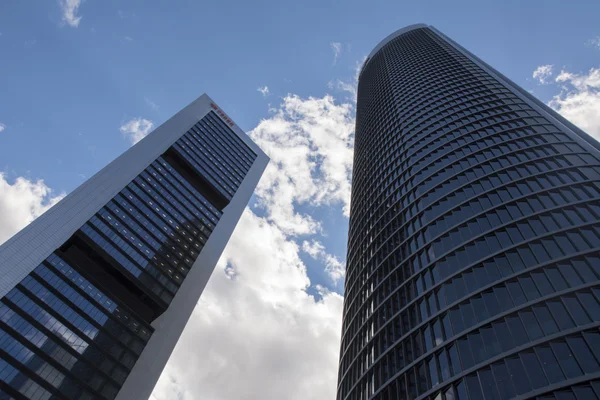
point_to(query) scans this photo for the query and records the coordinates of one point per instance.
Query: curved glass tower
(474, 246)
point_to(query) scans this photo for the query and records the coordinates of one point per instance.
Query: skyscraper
(95, 293)
(474, 244)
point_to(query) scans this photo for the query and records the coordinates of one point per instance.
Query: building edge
(169, 326)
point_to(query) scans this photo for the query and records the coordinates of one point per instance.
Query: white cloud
(257, 324)
(313, 248)
(310, 144)
(136, 129)
(69, 12)
(263, 90)
(335, 268)
(2, 127)
(21, 202)
(542, 73)
(579, 99)
(344, 87)
(151, 104)
(349, 87)
(337, 51)
(595, 42)
(261, 335)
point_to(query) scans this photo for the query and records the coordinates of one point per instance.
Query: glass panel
(543, 315)
(565, 359)
(549, 364)
(503, 380)
(466, 357)
(560, 315)
(531, 325)
(583, 354)
(518, 375)
(474, 387)
(488, 385)
(576, 310)
(534, 370)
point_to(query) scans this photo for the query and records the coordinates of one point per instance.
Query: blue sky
(80, 79)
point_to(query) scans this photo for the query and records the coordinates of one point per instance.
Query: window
(583, 354)
(531, 325)
(474, 387)
(503, 380)
(534, 370)
(503, 335)
(444, 366)
(565, 359)
(477, 347)
(560, 315)
(547, 322)
(518, 375)
(454, 361)
(466, 356)
(549, 364)
(542, 283)
(516, 328)
(516, 292)
(590, 304)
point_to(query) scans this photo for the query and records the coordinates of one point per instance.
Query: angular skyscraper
(474, 245)
(95, 293)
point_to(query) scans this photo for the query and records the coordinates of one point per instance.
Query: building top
(390, 38)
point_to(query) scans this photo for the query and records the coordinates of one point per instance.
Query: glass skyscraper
(95, 293)
(474, 245)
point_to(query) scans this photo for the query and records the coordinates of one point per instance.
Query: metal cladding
(474, 244)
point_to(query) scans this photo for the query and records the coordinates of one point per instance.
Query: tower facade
(95, 293)
(474, 244)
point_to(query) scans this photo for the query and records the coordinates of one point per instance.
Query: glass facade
(474, 245)
(76, 325)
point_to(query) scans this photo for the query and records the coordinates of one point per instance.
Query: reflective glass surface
(76, 325)
(474, 244)
(60, 333)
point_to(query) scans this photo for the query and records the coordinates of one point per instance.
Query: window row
(78, 302)
(502, 336)
(543, 365)
(59, 266)
(495, 174)
(387, 326)
(115, 247)
(437, 268)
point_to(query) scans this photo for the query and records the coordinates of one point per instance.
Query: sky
(83, 80)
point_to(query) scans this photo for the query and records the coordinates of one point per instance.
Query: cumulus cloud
(263, 90)
(335, 268)
(310, 144)
(337, 51)
(69, 12)
(258, 326)
(2, 127)
(542, 73)
(21, 202)
(261, 335)
(136, 129)
(579, 99)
